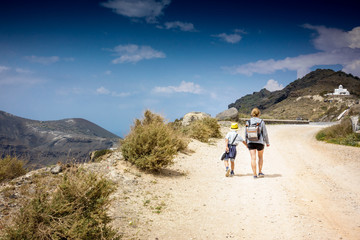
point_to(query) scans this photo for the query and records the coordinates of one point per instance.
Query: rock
(57, 169)
(355, 124)
(229, 114)
(193, 116)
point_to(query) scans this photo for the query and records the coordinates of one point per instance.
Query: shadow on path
(266, 175)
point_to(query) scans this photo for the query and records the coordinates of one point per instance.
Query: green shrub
(204, 129)
(99, 154)
(75, 210)
(152, 144)
(340, 134)
(10, 168)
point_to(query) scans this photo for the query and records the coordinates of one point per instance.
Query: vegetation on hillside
(203, 130)
(97, 155)
(10, 168)
(152, 144)
(76, 209)
(304, 98)
(340, 134)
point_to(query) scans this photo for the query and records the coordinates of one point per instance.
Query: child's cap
(234, 126)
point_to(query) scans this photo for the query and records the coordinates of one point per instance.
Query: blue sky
(108, 61)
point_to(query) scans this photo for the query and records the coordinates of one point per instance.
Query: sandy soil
(311, 190)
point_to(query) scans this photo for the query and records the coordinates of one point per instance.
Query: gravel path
(311, 191)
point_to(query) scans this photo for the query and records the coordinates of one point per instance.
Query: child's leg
(232, 164)
(226, 163)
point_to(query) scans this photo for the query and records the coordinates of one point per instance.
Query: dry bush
(204, 129)
(10, 168)
(152, 144)
(75, 210)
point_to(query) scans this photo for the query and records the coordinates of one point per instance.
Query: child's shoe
(232, 173)
(227, 172)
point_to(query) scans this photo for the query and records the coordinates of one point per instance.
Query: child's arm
(227, 144)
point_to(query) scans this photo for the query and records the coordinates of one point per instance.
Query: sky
(110, 60)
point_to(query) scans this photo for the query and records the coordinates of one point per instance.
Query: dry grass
(340, 134)
(75, 210)
(204, 129)
(10, 168)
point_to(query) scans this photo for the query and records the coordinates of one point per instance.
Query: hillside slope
(304, 98)
(41, 143)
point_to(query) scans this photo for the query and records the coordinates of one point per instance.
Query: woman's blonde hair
(255, 112)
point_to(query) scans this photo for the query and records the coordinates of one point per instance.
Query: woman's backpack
(253, 131)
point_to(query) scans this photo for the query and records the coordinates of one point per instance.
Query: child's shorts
(232, 153)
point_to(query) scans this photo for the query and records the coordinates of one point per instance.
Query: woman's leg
(253, 160)
(261, 159)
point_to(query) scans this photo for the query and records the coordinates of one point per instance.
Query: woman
(256, 143)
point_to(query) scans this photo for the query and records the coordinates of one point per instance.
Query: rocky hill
(42, 143)
(305, 98)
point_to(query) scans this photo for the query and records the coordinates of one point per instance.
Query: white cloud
(104, 91)
(3, 69)
(147, 9)
(133, 53)
(18, 76)
(335, 45)
(186, 27)
(273, 85)
(184, 87)
(352, 67)
(108, 72)
(43, 60)
(354, 38)
(231, 38)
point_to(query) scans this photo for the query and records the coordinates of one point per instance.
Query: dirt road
(311, 191)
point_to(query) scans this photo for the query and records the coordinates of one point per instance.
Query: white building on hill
(340, 91)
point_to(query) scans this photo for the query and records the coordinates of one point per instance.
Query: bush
(204, 129)
(75, 210)
(100, 153)
(10, 168)
(340, 134)
(152, 144)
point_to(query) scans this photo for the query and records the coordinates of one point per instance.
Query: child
(232, 139)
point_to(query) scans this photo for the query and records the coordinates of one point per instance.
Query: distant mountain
(42, 143)
(304, 98)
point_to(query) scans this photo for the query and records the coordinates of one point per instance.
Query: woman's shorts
(257, 146)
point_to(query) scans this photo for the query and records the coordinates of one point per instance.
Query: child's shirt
(231, 135)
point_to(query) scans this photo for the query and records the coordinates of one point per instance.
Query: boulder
(229, 114)
(57, 169)
(355, 124)
(193, 116)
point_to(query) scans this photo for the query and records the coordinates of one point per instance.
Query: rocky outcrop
(43, 143)
(355, 124)
(229, 114)
(193, 116)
